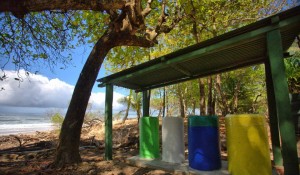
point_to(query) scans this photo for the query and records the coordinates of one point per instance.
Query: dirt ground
(33, 153)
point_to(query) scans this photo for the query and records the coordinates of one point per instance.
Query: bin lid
(197, 120)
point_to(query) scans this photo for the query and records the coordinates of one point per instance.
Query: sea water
(27, 123)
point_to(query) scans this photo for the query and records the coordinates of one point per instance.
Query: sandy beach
(33, 153)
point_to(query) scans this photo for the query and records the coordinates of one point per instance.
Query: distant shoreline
(23, 124)
(12, 129)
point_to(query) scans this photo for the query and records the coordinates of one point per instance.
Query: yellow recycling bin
(247, 145)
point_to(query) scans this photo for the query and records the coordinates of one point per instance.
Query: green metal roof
(241, 47)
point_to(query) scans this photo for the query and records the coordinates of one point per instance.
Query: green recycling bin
(149, 137)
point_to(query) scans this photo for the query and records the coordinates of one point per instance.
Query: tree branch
(21, 7)
(162, 27)
(148, 9)
(133, 40)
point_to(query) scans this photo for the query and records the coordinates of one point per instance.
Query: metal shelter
(263, 42)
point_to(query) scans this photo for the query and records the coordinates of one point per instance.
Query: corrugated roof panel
(288, 34)
(156, 76)
(228, 56)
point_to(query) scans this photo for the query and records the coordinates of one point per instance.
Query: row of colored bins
(247, 142)
(204, 152)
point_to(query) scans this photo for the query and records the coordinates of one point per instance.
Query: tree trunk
(181, 102)
(210, 108)
(236, 97)
(128, 106)
(254, 104)
(167, 104)
(138, 106)
(194, 107)
(69, 139)
(182, 106)
(213, 105)
(138, 113)
(221, 95)
(202, 96)
(159, 112)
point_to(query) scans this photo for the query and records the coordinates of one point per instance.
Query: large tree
(125, 25)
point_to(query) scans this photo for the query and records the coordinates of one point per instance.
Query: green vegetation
(57, 119)
(238, 91)
(292, 65)
(91, 117)
(133, 102)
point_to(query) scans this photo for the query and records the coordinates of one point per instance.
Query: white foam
(6, 129)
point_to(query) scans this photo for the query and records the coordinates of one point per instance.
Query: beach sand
(33, 153)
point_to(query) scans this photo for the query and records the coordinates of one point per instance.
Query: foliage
(292, 65)
(56, 116)
(244, 89)
(37, 40)
(135, 102)
(248, 88)
(57, 119)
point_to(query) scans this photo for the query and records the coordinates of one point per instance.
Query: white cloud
(39, 91)
(98, 100)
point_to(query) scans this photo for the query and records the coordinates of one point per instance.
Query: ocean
(29, 123)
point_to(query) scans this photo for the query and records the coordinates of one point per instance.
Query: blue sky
(71, 72)
(50, 89)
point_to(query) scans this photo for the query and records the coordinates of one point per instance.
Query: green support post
(275, 136)
(146, 102)
(108, 121)
(282, 101)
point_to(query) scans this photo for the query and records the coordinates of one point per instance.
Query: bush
(57, 119)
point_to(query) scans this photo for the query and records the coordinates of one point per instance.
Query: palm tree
(134, 102)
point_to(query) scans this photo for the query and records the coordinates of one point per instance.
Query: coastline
(24, 124)
(15, 129)
(37, 152)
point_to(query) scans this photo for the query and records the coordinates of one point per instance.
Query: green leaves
(37, 39)
(292, 66)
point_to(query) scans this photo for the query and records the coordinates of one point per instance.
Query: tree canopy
(238, 91)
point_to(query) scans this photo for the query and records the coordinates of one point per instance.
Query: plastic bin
(247, 145)
(203, 143)
(149, 137)
(172, 140)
